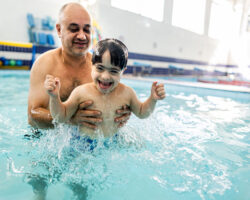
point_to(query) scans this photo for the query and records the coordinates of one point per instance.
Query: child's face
(105, 75)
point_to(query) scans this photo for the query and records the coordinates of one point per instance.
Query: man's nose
(81, 35)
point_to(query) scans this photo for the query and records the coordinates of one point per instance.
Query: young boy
(108, 94)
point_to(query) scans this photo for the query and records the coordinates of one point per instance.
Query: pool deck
(213, 86)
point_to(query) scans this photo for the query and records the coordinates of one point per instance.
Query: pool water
(194, 146)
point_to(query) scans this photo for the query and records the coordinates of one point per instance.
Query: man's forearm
(40, 118)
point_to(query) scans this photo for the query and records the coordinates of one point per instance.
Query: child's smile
(105, 85)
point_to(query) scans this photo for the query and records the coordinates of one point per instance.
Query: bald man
(71, 63)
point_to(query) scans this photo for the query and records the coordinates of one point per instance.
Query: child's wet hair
(118, 52)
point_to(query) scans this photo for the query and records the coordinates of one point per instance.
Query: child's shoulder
(124, 88)
(86, 85)
(83, 87)
(123, 85)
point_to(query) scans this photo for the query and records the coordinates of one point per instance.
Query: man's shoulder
(46, 60)
(49, 55)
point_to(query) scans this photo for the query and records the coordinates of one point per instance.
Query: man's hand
(86, 117)
(124, 113)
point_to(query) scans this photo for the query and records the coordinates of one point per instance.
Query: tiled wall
(19, 56)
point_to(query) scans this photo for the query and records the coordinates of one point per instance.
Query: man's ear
(58, 29)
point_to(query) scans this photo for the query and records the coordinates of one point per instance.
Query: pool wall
(22, 55)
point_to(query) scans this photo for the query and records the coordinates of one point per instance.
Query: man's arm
(38, 113)
(143, 110)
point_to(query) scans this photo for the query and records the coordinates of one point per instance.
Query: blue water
(194, 146)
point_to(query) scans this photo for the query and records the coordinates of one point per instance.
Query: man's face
(75, 31)
(105, 75)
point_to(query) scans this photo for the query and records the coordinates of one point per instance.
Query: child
(108, 94)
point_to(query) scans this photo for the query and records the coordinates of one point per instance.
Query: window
(153, 9)
(189, 15)
(224, 19)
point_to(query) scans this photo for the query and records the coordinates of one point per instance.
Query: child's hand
(52, 85)
(157, 91)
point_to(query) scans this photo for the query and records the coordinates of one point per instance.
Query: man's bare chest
(69, 82)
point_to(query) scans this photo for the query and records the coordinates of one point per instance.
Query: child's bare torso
(107, 104)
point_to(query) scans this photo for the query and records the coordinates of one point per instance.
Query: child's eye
(99, 68)
(114, 72)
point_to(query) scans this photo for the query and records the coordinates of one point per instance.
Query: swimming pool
(194, 146)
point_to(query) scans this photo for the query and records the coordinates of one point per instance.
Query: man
(72, 64)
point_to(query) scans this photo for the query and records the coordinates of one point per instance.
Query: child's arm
(61, 112)
(143, 110)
